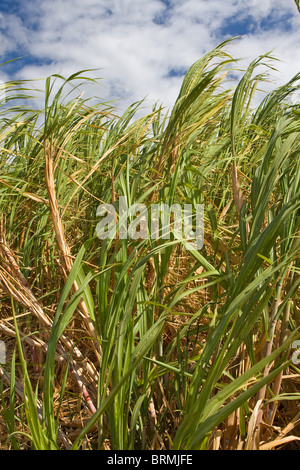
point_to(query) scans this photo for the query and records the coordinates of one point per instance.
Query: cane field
(148, 343)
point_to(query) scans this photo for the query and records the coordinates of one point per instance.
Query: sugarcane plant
(148, 342)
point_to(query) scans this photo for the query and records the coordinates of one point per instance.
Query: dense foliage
(148, 344)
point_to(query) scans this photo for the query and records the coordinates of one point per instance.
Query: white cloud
(12, 33)
(136, 43)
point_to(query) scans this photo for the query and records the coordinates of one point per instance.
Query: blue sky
(142, 47)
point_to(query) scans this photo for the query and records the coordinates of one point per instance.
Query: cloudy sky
(142, 47)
